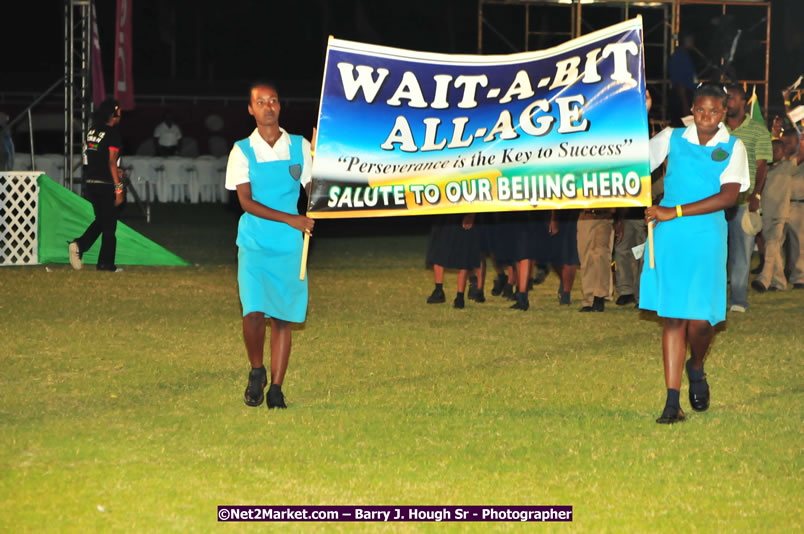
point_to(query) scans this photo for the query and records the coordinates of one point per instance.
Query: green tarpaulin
(63, 216)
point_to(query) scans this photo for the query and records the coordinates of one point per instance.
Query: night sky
(186, 48)
(214, 47)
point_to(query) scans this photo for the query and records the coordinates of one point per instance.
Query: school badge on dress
(719, 154)
(295, 171)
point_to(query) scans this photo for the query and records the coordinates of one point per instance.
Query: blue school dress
(689, 281)
(269, 252)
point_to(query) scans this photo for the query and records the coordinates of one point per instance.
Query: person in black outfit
(103, 186)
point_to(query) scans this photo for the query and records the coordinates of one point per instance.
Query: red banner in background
(123, 78)
(98, 88)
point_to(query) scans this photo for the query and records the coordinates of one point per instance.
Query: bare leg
(480, 273)
(568, 276)
(463, 275)
(523, 273)
(438, 274)
(254, 336)
(699, 334)
(280, 350)
(674, 349)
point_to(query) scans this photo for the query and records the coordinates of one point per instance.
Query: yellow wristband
(678, 211)
(786, 102)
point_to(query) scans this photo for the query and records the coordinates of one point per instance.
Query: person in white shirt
(167, 136)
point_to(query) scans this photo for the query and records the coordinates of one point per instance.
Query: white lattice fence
(19, 217)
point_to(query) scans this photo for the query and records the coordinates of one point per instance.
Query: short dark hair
(790, 132)
(684, 35)
(737, 88)
(261, 83)
(105, 111)
(711, 89)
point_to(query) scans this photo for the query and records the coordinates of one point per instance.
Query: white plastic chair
(207, 167)
(223, 161)
(180, 180)
(145, 170)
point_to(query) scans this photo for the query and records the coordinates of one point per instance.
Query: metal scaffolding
(77, 93)
(662, 35)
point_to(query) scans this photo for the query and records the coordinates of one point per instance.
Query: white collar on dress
(691, 135)
(256, 139)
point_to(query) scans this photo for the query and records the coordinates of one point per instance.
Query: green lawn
(121, 399)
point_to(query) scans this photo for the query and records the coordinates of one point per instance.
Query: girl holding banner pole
(267, 169)
(706, 169)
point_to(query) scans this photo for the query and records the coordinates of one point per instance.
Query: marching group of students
(522, 248)
(720, 161)
(717, 162)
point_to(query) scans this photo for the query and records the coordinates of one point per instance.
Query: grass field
(121, 399)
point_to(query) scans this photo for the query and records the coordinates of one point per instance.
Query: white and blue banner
(414, 133)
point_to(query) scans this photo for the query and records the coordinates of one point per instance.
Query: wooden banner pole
(303, 267)
(303, 270)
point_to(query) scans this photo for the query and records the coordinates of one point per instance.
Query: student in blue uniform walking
(706, 169)
(267, 169)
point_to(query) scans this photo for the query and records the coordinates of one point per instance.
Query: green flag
(756, 111)
(63, 216)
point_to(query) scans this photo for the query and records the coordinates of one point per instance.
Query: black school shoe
(106, 267)
(437, 297)
(699, 392)
(598, 305)
(476, 295)
(671, 415)
(509, 292)
(622, 300)
(564, 298)
(257, 380)
(458, 303)
(275, 397)
(541, 276)
(499, 283)
(522, 303)
(758, 287)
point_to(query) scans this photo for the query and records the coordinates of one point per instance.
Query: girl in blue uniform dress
(267, 169)
(706, 169)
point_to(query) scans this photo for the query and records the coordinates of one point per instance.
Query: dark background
(197, 57)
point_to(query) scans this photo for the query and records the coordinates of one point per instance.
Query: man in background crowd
(167, 136)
